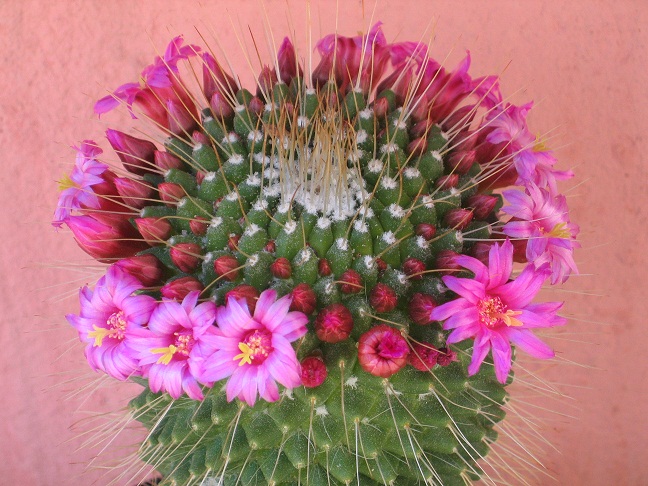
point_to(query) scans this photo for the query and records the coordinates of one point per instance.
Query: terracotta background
(584, 61)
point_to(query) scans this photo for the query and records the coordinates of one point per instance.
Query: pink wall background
(582, 60)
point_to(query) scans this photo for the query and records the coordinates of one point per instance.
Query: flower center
(493, 312)
(182, 345)
(66, 182)
(256, 347)
(116, 327)
(558, 231)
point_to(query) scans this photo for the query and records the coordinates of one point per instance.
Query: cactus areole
(313, 277)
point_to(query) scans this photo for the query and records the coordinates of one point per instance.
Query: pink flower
(108, 317)
(382, 351)
(254, 351)
(544, 220)
(495, 312)
(77, 188)
(169, 349)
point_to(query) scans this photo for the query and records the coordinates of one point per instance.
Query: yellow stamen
(66, 183)
(167, 354)
(509, 319)
(245, 356)
(99, 334)
(559, 231)
(540, 145)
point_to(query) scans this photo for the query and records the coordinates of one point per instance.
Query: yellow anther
(99, 334)
(66, 183)
(509, 319)
(245, 356)
(167, 354)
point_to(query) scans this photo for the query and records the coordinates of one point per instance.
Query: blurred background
(583, 62)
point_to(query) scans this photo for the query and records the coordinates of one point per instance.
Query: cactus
(361, 195)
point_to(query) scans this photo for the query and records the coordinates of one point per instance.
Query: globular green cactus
(363, 193)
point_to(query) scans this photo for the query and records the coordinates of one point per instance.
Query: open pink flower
(544, 220)
(169, 347)
(77, 188)
(109, 315)
(496, 312)
(254, 351)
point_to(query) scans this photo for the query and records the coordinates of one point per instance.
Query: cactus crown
(298, 275)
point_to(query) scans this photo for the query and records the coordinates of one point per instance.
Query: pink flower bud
(413, 268)
(458, 218)
(420, 307)
(136, 154)
(198, 226)
(270, 246)
(427, 231)
(200, 138)
(171, 193)
(303, 299)
(383, 298)
(287, 61)
(155, 231)
(135, 193)
(460, 162)
(423, 356)
(186, 256)
(247, 292)
(232, 242)
(417, 147)
(313, 371)
(334, 323)
(182, 116)
(145, 268)
(446, 356)
(166, 161)
(215, 79)
(221, 108)
(446, 260)
(281, 268)
(382, 351)
(351, 282)
(482, 205)
(447, 181)
(256, 106)
(179, 288)
(324, 267)
(105, 242)
(460, 119)
(226, 267)
(267, 79)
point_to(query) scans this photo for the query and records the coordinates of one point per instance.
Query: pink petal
(501, 356)
(262, 311)
(530, 344)
(469, 289)
(449, 308)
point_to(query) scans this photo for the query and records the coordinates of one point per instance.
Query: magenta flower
(168, 349)
(543, 219)
(109, 315)
(496, 312)
(254, 351)
(76, 188)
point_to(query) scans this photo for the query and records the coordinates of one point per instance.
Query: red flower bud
(304, 299)
(232, 242)
(447, 181)
(136, 154)
(266, 81)
(221, 108)
(102, 241)
(166, 161)
(200, 177)
(380, 107)
(382, 351)
(186, 256)
(519, 250)
(313, 371)
(215, 79)
(256, 105)
(281, 268)
(446, 356)
(199, 226)
(145, 268)
(324, 267)
(458, 218)
(155, 231)
(423, 356)
(351, 282)
(481, 251)
(420, 308)
(381, 264)
(227, 267)
(334, 323)
(287, 62)
(383, 298)
(446, 260)
(417, 147)
(171, 193)
(413, 268)
(247, 292)
(461, 161)
(270, 246)
(427, 231)
(200, 138)
(421, 129)
(181, 115)
(179, 288)
(135, 193)
(482, 205)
